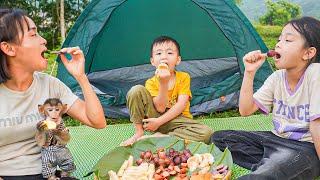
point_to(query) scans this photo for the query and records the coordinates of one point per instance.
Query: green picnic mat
(88, 145)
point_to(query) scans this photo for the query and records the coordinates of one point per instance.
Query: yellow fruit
(163, 66)
(50, 124)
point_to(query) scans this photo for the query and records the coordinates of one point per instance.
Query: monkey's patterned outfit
(54, 155)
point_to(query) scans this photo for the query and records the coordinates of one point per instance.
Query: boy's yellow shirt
(181, 87)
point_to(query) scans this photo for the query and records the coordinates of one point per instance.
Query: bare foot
(131, 140)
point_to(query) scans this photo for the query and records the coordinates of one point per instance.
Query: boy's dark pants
(269, 156)
(140, 105)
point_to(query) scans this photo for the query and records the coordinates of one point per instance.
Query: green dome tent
(116, 35)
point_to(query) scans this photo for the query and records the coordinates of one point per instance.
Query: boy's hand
(151, 124)
(75, 66)
(163, 73)
(253, 60)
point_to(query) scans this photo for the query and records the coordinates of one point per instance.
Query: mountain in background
(254, 9)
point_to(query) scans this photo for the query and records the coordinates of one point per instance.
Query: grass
(269, 35)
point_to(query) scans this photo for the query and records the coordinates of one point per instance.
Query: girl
(292, 149)
(23, 87)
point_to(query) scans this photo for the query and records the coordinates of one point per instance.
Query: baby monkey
(52, 136)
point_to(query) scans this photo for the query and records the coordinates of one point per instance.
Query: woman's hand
(75, 66)
(253, 60)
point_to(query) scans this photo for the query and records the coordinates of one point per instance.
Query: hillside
(253, 9)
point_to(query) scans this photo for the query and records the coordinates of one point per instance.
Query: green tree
(45, 13)
(280, 12)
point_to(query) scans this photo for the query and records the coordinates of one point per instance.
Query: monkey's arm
(41, 135)
(62, 136)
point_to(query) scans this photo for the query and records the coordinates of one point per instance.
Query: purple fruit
(185, 152)
(177, 160)
(175, 154)
(273, 53)
(156, 160)
(147, 155)
(184, 159)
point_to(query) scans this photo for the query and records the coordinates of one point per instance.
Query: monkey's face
(53, 112)
(53, 109)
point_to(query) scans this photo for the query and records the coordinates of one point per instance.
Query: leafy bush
(269, 35)
(280, 12)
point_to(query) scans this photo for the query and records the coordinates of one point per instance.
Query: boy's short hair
(164, 39)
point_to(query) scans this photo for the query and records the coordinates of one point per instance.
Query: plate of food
(164, 158)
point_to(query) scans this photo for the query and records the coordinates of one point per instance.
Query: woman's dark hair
(163, 39)
(309, 28)
(11, 24)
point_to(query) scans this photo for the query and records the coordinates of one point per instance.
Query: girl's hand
(151, 124)
(253, 60)
(75, 66)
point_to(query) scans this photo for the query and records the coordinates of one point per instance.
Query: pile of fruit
(145, 171)
(171, 163)
(165, 165)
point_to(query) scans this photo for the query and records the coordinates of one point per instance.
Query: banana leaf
(114, 159)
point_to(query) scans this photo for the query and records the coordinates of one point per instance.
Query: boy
(163, 105)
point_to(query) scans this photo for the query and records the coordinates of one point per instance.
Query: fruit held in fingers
(50, 124)
(273, 53)
(163, 66)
